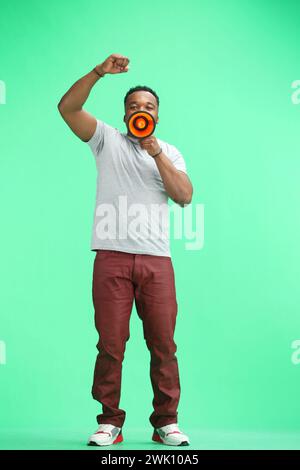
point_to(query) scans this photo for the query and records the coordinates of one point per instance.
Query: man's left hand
(150, 144)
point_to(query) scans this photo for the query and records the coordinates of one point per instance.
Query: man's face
(141, 101)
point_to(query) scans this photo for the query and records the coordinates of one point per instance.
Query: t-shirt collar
(135, 140)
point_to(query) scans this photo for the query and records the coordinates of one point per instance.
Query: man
(133, 260)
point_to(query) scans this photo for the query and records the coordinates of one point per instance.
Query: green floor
(135, 439)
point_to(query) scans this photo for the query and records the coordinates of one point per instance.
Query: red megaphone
(141, 124)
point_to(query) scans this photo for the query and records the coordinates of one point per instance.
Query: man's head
(141, 98)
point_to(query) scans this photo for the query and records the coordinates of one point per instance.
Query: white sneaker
(170, 435)
(106, 435)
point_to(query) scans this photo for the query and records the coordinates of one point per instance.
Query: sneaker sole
(118, 440)
(157, 438)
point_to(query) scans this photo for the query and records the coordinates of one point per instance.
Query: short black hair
(141, 88)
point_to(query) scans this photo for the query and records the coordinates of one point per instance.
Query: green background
(223, 72)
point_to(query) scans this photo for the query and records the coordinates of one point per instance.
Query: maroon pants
(118, 279)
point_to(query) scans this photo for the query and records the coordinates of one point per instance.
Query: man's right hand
(82, 123)
(115, 63)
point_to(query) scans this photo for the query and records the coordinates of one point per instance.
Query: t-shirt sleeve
(102, 132)
(177, 159)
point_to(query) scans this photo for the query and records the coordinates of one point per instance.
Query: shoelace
(108, 428)
(173, 430)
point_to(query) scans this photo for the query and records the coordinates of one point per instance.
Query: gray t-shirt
(131, 212)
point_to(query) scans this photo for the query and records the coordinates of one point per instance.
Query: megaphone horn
(141, 124)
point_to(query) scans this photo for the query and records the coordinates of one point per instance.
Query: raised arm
(82, 123)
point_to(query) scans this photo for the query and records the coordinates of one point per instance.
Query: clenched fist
(115, 63)
(150, 144)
